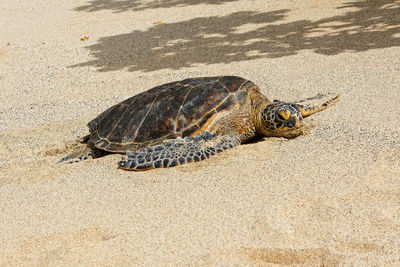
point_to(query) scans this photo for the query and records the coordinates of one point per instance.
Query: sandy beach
(328, 198)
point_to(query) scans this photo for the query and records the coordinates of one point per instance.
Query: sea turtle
(191, 120)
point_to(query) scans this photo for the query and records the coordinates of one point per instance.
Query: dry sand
(328, 198)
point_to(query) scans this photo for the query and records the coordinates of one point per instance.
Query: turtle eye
(281, 117)
(284, 115)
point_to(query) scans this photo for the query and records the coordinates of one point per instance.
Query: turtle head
(281, 119)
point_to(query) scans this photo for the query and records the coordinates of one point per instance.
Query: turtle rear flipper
(79, 153)
(317, 103)
(83, 151)
(178, 151)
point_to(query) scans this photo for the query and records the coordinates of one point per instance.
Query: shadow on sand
(225, 39)
(138, 5)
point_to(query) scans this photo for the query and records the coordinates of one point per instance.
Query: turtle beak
(293, 122)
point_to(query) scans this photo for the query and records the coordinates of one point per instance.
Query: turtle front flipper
(178, 151)
(317, 103)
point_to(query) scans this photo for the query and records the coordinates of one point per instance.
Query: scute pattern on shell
(176, 109)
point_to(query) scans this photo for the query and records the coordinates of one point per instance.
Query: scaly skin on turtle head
(284, 119)
(281, 119)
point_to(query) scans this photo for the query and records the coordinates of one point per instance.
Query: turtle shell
(176, 109)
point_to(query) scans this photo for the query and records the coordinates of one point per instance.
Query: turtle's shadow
(224, 39)
(255, 140)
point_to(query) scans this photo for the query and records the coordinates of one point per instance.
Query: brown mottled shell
(168, 111)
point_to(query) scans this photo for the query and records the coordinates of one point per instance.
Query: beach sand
(331, 197)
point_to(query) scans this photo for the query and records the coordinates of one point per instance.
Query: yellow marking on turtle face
(286, 114)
